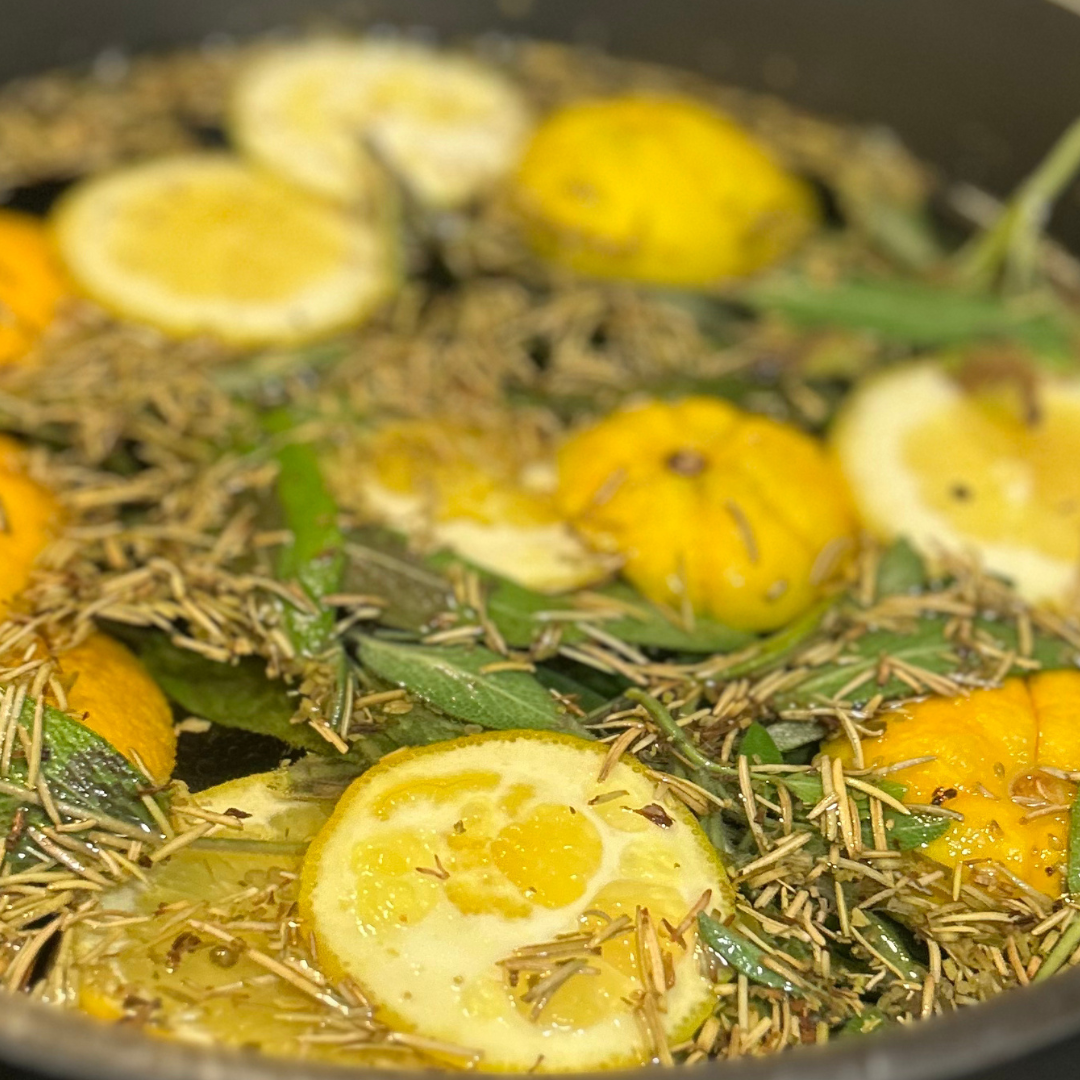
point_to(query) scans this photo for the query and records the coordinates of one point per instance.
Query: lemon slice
(454, 880)
(185, 986)
(474, 492)
(969, 473)
(204, 243)
(447, 126)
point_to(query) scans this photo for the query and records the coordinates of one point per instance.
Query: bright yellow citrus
(657, 189)
(32, 284)
(115, 697)
(204, 243)
(31, 516)
(970, 473)
(988, 749)
(443, 866)
(736, 515)
(476, 492)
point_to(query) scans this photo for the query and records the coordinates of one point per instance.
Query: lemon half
(970, 473)
(204, 243)
(447, 871)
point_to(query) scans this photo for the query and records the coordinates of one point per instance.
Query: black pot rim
(42, 1039)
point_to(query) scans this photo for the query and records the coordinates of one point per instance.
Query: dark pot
(978, 87)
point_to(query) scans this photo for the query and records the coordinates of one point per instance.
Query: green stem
(773, 650)
(675, 734)
(1013, 238)
(1060, 953)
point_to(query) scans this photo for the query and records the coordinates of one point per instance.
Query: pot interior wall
(979, 87)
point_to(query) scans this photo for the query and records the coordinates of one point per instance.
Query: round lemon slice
(971, 473)
(475, 492)
(204, 243)
(507, 895)
(315, 111)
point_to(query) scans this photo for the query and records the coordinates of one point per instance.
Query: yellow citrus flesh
(442, 861)
(115, 697)
(194, 993)
(657, 189)
(987, 750)
(733, 514)
(32, 284)
(970, 473)
(448, 127)
(472, 491)
(31, 518)
(203, 243)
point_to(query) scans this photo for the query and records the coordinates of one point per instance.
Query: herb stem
(675, 734)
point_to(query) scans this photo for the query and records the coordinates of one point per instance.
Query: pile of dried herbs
(201, 529)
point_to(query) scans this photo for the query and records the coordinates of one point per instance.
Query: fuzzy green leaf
(453, 681)
(741, 953)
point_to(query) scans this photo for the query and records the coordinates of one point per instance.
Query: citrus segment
(970, 473)
(30, 517)
(737, 516)
(441, 909)
(32, 284)
(657, 189)
(986, 755)
(203, 243)
(474, 492)
(314, 112)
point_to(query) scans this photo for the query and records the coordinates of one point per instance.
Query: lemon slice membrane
(204, 243)
(447, 874)
(969, 473)
(314, 112)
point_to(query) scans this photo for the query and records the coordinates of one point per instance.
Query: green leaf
(1072, 867)
(908, 832)
(453, 681)
(758, 745)
(516, 611)
(911, 313)
(233, 695)
(314, 557)
(887, 938)
(925, 646)
(85, 775)
(380, 564)
(421, 727)
(901, 569)
(795, 734)
(741, 953)
(586, 698)
(871, 1020)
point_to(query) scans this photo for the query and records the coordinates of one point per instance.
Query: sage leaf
(757, 744)
(741, 953)
(86, 776)
(901, 569)
(234, 695)
(886, 938)
(452, 680)
(872, 1019)
(795, 734)
(912, 313)
(380, 564)
(1072, 866)
(518, 613)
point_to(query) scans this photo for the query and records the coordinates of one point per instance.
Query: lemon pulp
(445, 870)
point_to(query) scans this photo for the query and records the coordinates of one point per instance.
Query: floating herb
(742, 954)
(758, 745)
(455, 681)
